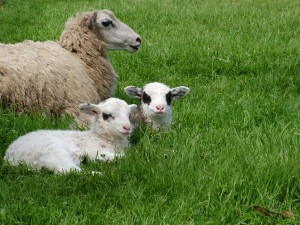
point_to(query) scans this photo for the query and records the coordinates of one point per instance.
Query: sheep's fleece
(62, 151)
(56, 77)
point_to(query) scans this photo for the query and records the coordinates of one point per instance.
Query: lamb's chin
(152, 112)
(125, 133)
(158, 113)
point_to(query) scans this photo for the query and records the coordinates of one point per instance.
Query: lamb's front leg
(100, 150)
(60, 161)
(106, 156)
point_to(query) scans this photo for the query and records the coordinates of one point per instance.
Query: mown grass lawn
(235, 139)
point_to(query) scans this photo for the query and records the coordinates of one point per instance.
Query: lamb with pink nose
(64, 150)
(155, 107)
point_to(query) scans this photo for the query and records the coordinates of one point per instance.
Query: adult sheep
(56, 77)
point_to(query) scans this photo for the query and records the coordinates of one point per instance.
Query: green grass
(235, 139)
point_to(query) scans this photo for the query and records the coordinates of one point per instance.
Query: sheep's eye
(146, 98)
(106, 116)
(106, 23)
(169, 97)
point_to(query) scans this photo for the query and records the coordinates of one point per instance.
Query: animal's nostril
(138, 40)
(160, 107)
(126, 127)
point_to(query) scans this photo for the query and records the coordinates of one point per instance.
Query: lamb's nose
(160, 108)
(127, 127)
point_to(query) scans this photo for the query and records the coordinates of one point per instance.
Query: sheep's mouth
(125, 132)
(134, 47)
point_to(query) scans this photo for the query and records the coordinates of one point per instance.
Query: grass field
(235, 139)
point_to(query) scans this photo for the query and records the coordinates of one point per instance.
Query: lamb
(62, 151)
(155, 107)
(56, 77)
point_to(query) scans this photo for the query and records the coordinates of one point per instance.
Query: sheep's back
(38, 76)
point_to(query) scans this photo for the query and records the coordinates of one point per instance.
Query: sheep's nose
(160, 108)
(127, 127)
(138, 40)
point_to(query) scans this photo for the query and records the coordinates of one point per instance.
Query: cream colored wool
(56, 77)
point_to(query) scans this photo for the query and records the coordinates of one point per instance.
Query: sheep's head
(156, 99)
(117, 35)
(111, 117)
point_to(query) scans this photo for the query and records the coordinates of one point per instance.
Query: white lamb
(62, 151)
(155, 108)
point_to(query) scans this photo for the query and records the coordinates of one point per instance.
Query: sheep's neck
(84, 44)
(159, 121)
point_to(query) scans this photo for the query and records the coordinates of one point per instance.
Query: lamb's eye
(106, 116)
(169, 97)
(106, 23)
(146, 98)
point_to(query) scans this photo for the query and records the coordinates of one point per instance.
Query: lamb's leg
(60, 162)
(69, 167)
(106, 156)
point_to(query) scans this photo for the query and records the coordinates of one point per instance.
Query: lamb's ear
(133, 107)
(90, 109)
(134, 92)
(179, 92)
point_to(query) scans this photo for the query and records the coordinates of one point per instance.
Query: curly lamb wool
(56, 77)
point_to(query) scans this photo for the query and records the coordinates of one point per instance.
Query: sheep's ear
(133, 107)
(92, 20)
(89, 109)
(134, 92)
(179, 92)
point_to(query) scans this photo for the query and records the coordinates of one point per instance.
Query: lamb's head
(156, 101)
(111, 117)
(117, 35)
